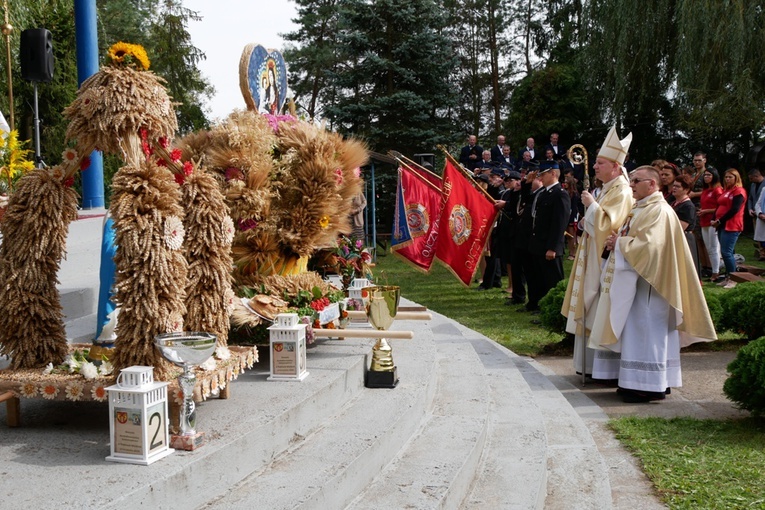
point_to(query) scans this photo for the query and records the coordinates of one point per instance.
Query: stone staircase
(470, 425)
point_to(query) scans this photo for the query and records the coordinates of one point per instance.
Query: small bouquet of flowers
(352, 259)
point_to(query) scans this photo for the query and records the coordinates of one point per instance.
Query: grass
(699, 463)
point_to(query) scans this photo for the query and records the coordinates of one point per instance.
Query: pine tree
(393, 83)
(315, 53)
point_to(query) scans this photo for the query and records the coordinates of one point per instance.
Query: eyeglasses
(636, 180)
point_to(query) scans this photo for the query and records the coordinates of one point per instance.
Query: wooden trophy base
(381, 379)
(188, 443)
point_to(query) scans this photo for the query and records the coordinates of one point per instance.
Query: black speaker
(36, 54)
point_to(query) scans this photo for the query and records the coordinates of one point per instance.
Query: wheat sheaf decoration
(151, 269)
(288, 185)
(117, 103)
(34, 230)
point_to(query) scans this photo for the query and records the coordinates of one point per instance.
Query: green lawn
(699, 463)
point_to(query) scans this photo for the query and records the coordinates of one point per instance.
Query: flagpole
(465, 172)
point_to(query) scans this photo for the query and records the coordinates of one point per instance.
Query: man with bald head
(602, 217)
(471, 154)
(651, 303)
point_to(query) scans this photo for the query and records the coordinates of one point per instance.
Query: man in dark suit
(496, 151)
(559, 151)
(520, 257)
(530, 149)
(470, 154)
(485, 165)
(550, 214)
(507, 162)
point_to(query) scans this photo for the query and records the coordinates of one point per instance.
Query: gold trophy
(381, 310)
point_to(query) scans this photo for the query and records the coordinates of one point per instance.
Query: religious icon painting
(263, 79)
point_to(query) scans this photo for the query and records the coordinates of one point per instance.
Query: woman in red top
(709, 195)
(729, 220)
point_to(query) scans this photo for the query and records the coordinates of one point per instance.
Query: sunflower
(126, 53)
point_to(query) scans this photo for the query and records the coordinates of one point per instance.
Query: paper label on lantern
(157, 428)
(127, 431)
(283, 355)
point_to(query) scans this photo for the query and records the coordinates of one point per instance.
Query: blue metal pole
(86, 36)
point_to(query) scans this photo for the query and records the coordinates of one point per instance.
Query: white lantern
(138, 423)
(287, 342)
(356, 290)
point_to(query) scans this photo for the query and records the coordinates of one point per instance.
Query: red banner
(422, 209)
(466, 221)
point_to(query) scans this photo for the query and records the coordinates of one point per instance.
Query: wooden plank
(741, 277)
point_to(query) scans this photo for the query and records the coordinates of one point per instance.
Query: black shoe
(497, 285)
(720, 279)
(639, 397)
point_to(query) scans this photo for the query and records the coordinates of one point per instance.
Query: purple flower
(359, 244)
(248, 224)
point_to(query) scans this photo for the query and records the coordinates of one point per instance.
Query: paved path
(701, 396)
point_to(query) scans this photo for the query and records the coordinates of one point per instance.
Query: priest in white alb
(651, 303)
(602, 217)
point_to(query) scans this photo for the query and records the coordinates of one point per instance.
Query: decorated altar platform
(23, 385)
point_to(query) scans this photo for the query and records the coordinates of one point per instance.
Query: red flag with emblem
(467, 219)
(422, 209)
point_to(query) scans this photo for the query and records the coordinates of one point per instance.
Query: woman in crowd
(729, 220)
(709, 195)
(668, 173)
(686, 213)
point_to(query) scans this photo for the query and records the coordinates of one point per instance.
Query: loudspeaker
(36, 54)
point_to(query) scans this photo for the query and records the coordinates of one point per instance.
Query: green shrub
(715, 308)
(742, 309)
(746, 384)
(549, 308)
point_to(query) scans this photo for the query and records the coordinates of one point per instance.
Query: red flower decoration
(161, 162)
(179, 178)
(147, 149)
(234, 174)
(175, 155)
(163, 142)
(339, 176)
(188, 168)
(85, 163)
(69, 182)
(248, 224)
(144, 134)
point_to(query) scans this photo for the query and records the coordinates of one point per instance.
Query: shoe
(719, 279)
(639, 397)
(570, 257)
(722, 283)
(729, 285)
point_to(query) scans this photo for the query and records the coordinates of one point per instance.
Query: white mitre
(614, 149)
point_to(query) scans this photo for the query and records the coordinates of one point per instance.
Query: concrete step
(78, 275)
(81, 330)
(438, 464)
(329, 467)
